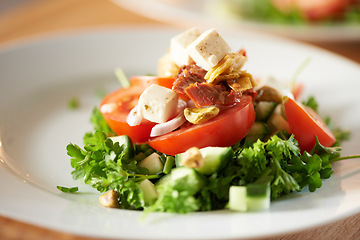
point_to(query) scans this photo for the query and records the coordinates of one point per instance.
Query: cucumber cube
(184, 179)
(125, 143)
(215, 158)
(152, 163)
(149, 191)
(250, 198)
(237, 198)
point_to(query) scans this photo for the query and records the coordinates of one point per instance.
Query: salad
(204, 134)
(296, 12)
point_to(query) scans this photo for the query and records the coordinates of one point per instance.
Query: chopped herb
(73, 103)
(67, 190)
(311, 103)
(298, 71)
(100, 92)
(124, 81)
(104, 166)
(99, 122)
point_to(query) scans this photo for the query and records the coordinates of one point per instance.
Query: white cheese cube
(208, 49)
(179, 44)
(158, 104)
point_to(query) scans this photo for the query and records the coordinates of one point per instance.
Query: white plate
(205, 13)
(39, 77)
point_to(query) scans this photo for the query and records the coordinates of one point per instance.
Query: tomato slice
(146, 81)
(305, 124)
(229, 127)
(115, 108)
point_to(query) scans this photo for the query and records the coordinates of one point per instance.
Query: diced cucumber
(253, 197)
(258, 197)
(259, 130)
(264, 109)
(125, 143)
(215, 158)
(152, 163)
(184, 179)
(237, 198)
(149, 191)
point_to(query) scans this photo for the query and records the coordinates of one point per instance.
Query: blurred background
(7, 5)
(330, 24)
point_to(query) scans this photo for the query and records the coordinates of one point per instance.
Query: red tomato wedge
(305, 124)
(229, 127)
(146, 81)
(122, 101)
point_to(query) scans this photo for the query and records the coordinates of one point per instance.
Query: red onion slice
(166, 127)
(134, 118)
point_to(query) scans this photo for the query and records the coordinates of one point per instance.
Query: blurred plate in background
(221, 14)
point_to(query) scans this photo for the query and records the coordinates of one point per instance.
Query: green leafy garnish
(99, 123)
(73, 103)
(284, 167)
(104, 166)
(311, 103)
(67, 190)
(265, 11)
(178, 195)
(277, 162)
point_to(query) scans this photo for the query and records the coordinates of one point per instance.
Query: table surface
(43, 17)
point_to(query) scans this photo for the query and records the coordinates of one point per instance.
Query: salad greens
(104, 166)
(265, 11)
(277, 162)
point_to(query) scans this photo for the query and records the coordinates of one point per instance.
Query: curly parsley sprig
(104, 166)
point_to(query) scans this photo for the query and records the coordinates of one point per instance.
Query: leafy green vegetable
(67, 190)
(99, 123)
(311, 103)
(277, 162)
(173, 200)
(102, 164)
(265, 11)
(284, 167)
(177, 192)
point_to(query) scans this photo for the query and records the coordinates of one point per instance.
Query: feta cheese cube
(158, 104)
(179, 44)
(208, 49)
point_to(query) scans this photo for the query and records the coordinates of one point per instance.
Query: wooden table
(44, 16)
